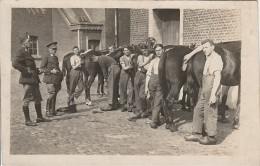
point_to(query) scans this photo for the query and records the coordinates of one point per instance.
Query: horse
(230, 53)
(89, 69)
(171, 78)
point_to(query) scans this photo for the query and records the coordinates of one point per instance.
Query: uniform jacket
(48, 63)
(24, 62)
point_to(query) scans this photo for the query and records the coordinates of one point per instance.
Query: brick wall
(138, 25)
(217, 24)
(35, 23)
(63, 35)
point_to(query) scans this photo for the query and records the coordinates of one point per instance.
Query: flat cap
(52, 45)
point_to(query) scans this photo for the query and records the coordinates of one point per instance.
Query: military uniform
(52, 80)
(24, 62)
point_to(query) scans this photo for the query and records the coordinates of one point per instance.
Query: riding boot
(53, 110)
(28, 121)
(48, 111)
(39, 114)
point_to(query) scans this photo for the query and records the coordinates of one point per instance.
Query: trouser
(53, 90)
(126, 84)
(76, 79)
(203, 112)
(140, 97)
(156, 97)
(113, 84)
(31, 90)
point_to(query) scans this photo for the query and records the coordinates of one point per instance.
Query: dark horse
(230, 53)
(172, 78)
(89, 69)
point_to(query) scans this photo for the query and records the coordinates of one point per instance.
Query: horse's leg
(222, 106)
(100, 85)
(171, 103)
(88, 86)
(68, 81)
(237, 113)
(86, 89)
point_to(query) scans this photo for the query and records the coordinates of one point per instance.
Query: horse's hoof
(236, 124)
(173, 128)
(89, 103)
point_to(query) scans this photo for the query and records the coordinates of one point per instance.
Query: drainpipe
(79, 44)
(116, 27)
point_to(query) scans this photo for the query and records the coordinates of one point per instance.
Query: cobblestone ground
(107, 132)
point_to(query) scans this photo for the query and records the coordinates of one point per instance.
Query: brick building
(86, 28)
(98, 28)
(184, 26)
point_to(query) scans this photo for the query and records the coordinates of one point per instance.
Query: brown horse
(230, 53)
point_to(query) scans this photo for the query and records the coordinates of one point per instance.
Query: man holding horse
(141, 104)
(111, 73)
(206, 109)
(75, 79)
(126, 82)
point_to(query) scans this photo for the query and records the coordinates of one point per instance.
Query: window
(93, 44)
(34, 46)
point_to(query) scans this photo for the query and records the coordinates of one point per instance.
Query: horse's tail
(64, 70)
(162, 77)
(192, 85)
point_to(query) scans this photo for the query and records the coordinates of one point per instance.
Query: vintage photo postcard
(129, 83)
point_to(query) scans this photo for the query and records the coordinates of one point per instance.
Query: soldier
(206, 109)
(24, 62)
(52, 77)
(111, 72)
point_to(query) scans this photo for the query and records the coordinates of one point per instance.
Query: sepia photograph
(130, 83)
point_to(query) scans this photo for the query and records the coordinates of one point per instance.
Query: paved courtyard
(108, 133)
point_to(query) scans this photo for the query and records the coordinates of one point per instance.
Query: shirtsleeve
(121, 61)
(217, 64)
(149, 71)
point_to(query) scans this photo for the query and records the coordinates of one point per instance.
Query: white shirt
(153, 66)
(213, 63)
(74, 60)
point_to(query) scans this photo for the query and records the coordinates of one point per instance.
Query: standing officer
(24, 62)
(111, 72)
(76, 79)
(206, 109)
(52, 77)
(141, 103)
(126, 78)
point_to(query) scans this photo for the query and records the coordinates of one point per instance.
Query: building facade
(98, 28)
